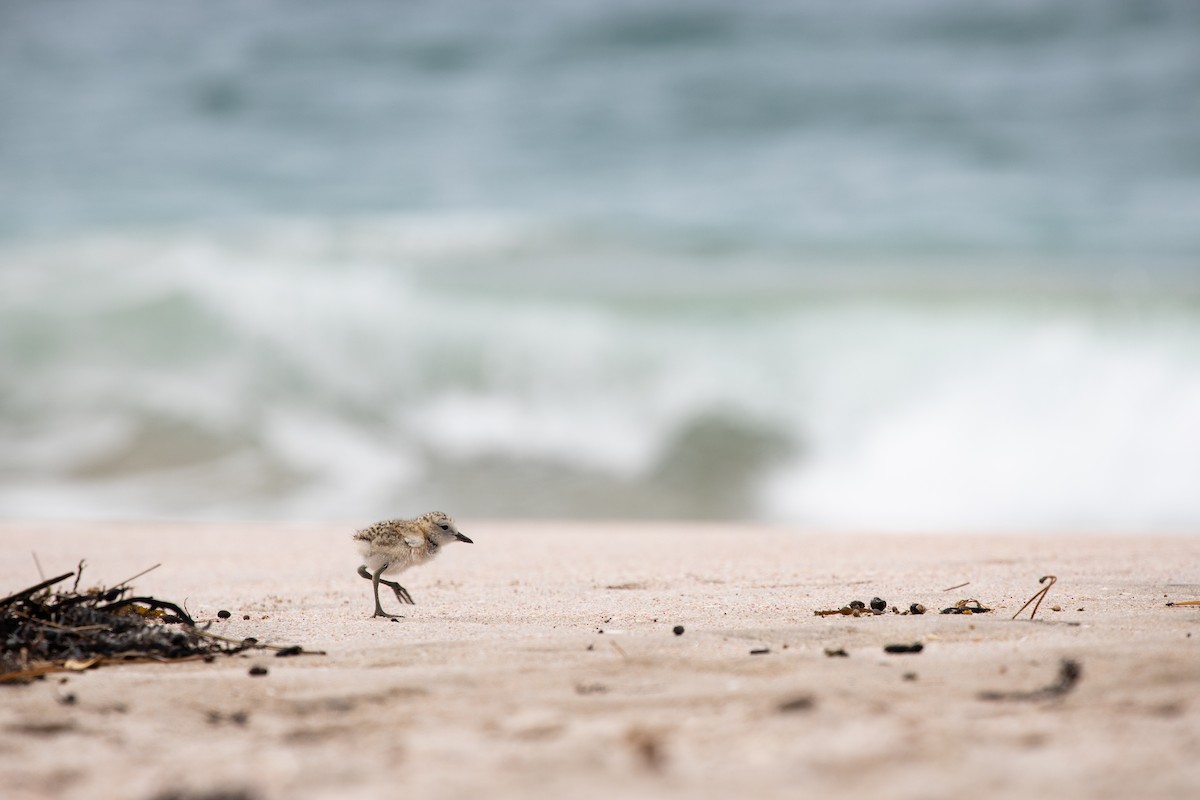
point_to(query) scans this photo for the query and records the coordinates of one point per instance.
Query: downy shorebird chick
(394, 545)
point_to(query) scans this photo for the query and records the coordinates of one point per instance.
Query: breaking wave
(502, 367)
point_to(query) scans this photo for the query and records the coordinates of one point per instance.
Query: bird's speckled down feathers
(397, 544)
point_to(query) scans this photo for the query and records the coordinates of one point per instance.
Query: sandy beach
(542, 661)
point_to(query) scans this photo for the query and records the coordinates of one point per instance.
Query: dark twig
(21, 595)
(959, 586)
(1069, 673)
(255, 645)
(1039, 596)
(135, 577)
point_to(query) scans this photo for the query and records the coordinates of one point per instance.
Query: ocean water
(921, 266)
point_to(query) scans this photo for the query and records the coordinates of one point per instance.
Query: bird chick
(394, 545)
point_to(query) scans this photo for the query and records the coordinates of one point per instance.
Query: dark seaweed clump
(43, 630)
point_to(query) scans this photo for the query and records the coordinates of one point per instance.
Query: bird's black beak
(462, 538)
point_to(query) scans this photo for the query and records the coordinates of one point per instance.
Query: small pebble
(1056, 608)
(878, 605)
(801, 703)
(678, 630)
(909, 676)
(857, 604)
(223, 614)
(917, 608)
(245, 616)
(836, 652)
(257, 671)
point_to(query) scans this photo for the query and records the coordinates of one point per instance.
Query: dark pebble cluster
(857, 608)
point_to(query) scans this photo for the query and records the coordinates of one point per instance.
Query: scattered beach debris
(879, 606)
(855, 608)
(43, 727)
(1039, 596)
(971, 606)
(915, 647)
(677, 630)
(909, 676)
(836, 652)
(760, 651)
(257, 671)
(43, 630)
(1069, 673)
(238, 718)
(223, 614)
(216, 794)
(804, 702)
(647, 746)
(617, 647)
(590, 688)
(956, 586)
(1183, 603)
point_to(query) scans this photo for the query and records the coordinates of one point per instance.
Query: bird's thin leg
(379, 612)
(401, 593)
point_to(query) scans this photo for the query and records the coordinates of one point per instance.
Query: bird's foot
(385, 614)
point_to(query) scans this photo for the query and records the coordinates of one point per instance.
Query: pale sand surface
(500, 683)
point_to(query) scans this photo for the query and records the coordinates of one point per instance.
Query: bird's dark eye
(443, 526)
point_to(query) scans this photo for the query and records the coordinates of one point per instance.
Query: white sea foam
(1064, 425)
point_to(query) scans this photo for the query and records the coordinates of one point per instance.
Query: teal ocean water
(929, 265)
